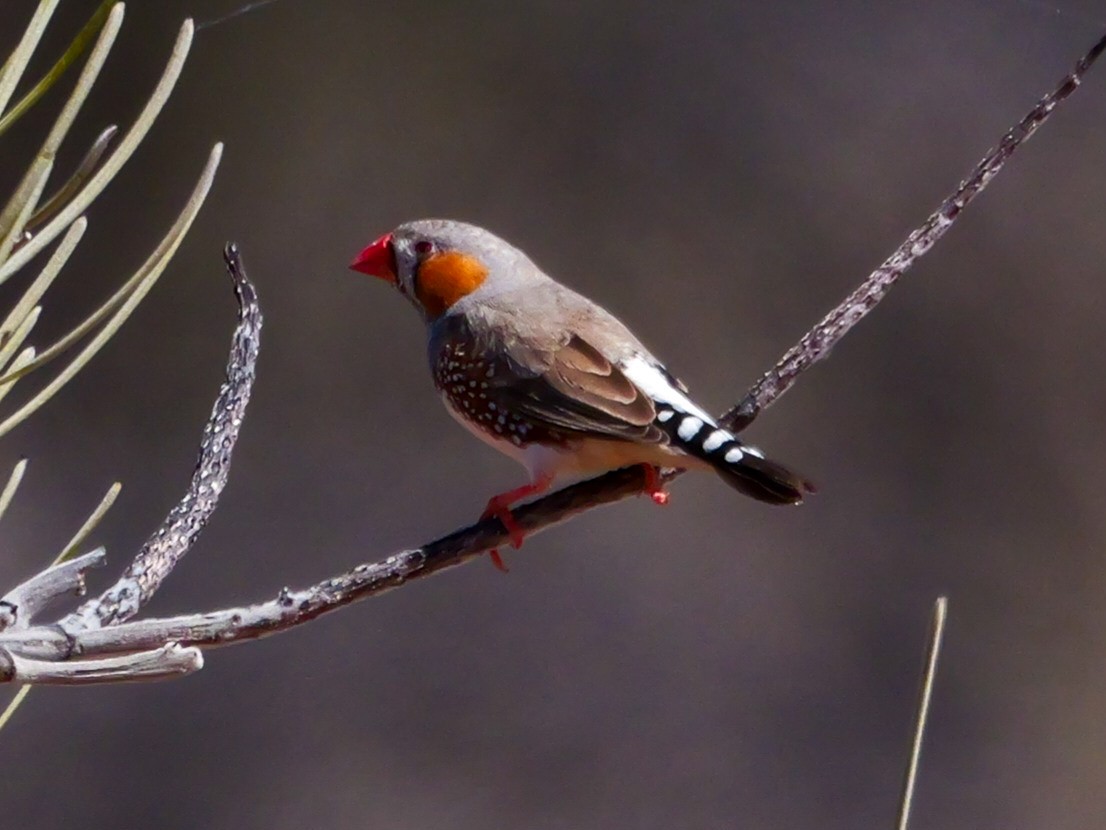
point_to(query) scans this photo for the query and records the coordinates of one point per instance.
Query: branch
(817, 343)
(20, 604)
(291, 608)
(180, 529)
(98, 627)
(163, 663)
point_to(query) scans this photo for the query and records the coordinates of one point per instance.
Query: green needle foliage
(29, 224)
(69, 57)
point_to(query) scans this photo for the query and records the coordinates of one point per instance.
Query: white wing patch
(653, 383)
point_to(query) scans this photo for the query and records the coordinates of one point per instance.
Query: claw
(500, 507)
(497, 560)
(654, 486)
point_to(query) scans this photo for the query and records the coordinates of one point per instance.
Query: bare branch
(291, 608)
(176, 535)
(817, 343)
(169, 661)
(20, 604)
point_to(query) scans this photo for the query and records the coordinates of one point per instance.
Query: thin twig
(925, 693)
(12, 340)
(25, 357)
(180, 529)
(817, 343)
(90, 524)
(33, 293)
(19, 606)
(21, 205)
(246, 9)
(13, 705)
(164, 663)
(12, 70)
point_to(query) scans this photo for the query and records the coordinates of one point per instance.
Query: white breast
(580, 458)
(501, 444)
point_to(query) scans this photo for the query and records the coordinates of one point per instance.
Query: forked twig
(56, 644)
(23, 602)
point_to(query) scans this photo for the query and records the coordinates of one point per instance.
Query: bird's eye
(423, 247)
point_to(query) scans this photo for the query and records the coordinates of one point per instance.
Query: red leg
(654, 486)
(500, 507)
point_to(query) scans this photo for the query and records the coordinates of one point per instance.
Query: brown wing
(573, 388)
(536, 382)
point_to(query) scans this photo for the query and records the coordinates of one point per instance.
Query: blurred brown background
(719, 175)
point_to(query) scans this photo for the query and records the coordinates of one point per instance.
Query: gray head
(439, 263)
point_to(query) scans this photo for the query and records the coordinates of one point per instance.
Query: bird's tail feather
(740, 466)
(765, 480)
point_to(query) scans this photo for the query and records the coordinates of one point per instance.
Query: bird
(548, 377)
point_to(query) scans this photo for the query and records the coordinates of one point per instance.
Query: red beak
(377, 260)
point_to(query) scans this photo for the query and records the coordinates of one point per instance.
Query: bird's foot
(497, 560)
(500, 507)
(654, 487)
(507, 519)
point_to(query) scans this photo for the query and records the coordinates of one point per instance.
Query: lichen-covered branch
(176, 535)
(817, 343)
(31, 649)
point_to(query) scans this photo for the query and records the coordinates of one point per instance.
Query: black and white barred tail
(742, 467)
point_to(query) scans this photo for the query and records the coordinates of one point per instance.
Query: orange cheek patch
(444, 279)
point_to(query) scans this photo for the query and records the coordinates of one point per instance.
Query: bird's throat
(445, 278)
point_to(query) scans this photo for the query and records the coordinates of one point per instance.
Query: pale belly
(579, 458)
